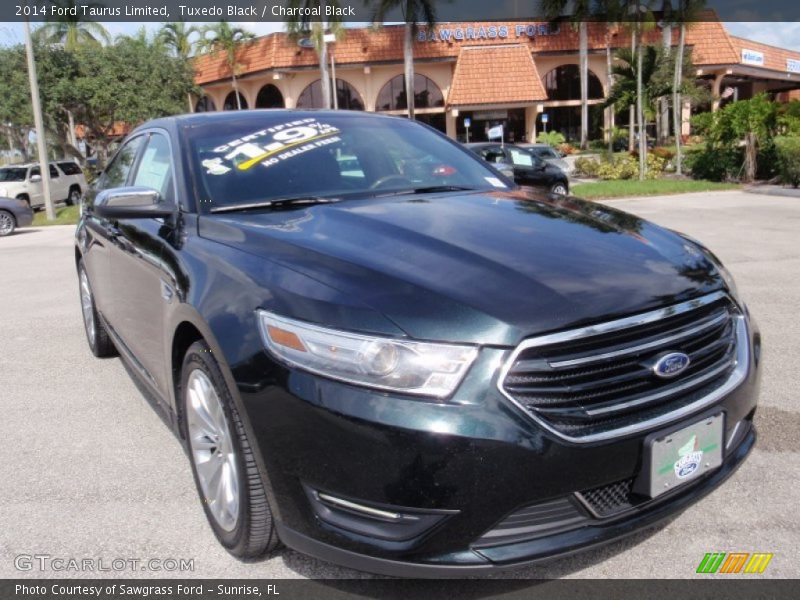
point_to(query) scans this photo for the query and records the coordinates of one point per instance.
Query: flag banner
(495, 133)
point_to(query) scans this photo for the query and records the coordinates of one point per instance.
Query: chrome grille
(598, 381)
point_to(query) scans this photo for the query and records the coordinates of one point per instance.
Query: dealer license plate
(682, 456)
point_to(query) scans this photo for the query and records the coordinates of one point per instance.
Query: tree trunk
(610, 79)
(632, 109)
(749, 156)
(323, 70)
(584, 73)
(677, 103)
(236, 92)
(640, 118)
(189, 101)
(408, 66)
(663, 102)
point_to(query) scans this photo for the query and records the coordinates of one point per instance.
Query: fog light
(379, 522)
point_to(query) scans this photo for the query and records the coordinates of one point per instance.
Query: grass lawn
(655, 187)
(65, 215)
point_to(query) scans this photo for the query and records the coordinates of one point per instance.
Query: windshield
(522, 157)
(13, 174)
(261, 157)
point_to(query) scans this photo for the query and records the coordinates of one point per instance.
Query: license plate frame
(676, 457)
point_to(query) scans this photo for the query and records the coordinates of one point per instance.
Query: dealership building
(470, 76)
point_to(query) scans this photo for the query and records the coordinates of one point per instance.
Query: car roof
(228, 116)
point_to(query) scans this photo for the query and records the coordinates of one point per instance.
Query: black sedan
(529, 169)
(390, 357)
(13, 214)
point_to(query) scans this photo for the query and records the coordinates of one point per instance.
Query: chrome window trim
(738, 375)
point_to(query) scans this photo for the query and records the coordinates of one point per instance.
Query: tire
(213, 431)
(8, 223)
(74, 197)
(560, 188)
(96, 335)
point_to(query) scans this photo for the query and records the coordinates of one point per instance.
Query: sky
(785, 35)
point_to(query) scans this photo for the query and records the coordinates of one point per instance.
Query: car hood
(487, 268)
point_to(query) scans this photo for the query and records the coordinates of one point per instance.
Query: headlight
(418, 368)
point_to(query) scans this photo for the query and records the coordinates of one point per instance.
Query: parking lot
(90, 471)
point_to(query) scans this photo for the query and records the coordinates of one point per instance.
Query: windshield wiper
(274, 203)
(443, 188)
(433, 189)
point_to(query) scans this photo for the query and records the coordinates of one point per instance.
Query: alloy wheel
(7, 223)
(87, 306)
(212, 450)
(559, 189)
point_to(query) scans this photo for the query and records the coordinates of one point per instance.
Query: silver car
(13, 214)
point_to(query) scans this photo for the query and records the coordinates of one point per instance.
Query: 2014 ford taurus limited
(381, 352)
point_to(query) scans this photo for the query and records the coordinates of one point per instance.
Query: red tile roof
(495, 75)
(711, 43)
(774, 58)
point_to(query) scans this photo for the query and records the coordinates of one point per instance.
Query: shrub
(661, 152)
(714, 163)
(788, 151)
(586, 166)
(566, 149)
(552, 138)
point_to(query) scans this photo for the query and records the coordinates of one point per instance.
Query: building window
(426, 94)
(564, 83)
(269, 96)
(230, 102)
(205, 104)
(348, 97)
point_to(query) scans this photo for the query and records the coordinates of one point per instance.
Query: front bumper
(471, 462)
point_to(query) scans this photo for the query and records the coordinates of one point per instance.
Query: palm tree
(666, 42)
(580, 11)
(685, 11)
(178, 37)
(222, 37)
(611, 10)
(414, 12)
(301, 25)
(72, 31)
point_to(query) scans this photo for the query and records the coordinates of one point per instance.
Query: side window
(54, 172)
(34, 171)
(493, 155)
(116, 174)
(522, 159)
(70, 168)
(155, 168)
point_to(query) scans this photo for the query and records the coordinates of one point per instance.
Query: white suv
(24, 182)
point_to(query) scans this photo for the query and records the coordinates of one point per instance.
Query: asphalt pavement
(90, 471)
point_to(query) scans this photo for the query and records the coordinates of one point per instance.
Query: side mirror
(132, 203)
(35, 178)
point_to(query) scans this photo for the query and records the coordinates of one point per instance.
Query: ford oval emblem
(670, 365)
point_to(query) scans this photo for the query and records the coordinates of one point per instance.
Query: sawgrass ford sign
(486, 32)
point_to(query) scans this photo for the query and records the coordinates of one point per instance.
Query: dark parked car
(414, 373)
(528, 168)
(14, 213)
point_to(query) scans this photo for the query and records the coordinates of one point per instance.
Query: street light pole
(41, 142)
